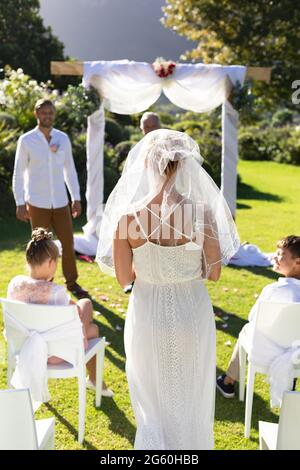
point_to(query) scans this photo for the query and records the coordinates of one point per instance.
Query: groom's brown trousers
(60, 221)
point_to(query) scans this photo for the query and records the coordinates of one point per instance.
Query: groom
(43, 164)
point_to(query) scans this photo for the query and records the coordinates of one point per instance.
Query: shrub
(122, 149)
(113, 131)
(18, 95)
(7, 151)
(74, 107)
(279, 144)
(8, 119)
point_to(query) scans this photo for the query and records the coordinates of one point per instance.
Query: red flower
(163, 68)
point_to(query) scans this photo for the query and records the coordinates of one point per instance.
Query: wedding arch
(128, 87)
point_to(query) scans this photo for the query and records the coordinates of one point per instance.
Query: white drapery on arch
(128, 87)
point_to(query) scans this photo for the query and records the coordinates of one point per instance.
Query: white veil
(144, 177)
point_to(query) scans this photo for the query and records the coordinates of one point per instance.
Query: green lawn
(268, 208)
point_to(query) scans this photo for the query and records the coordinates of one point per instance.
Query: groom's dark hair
(291, 243)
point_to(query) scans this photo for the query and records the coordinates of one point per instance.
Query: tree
(260, 33)
(24, 40)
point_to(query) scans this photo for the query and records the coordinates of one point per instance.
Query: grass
(268, 208)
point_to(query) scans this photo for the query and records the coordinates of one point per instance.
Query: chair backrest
(288, 437)
(41, 318)
(280, 322)
(17, 426)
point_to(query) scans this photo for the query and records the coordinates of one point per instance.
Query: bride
(166, 227)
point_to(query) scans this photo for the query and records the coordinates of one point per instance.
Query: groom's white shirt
(286, 289)
(40, 174)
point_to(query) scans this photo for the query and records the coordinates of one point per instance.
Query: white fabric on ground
(251, 255)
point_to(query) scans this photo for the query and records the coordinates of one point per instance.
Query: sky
(113, 29)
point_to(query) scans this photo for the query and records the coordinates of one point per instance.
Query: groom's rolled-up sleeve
(20, 167)
(70, 174)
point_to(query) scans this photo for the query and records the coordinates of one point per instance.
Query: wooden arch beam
(76, 68)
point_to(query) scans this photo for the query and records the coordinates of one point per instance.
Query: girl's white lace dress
(170, 349)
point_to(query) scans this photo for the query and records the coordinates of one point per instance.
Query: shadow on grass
(111, 334)
(234, 322)
(119, 423)
(233, 410)
(243, 206)
(259, 271)
(69, 426)
(245, 191)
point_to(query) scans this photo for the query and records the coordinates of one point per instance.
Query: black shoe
(226, 390)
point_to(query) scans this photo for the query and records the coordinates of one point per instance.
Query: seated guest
(149, 122)
(286, 289)
(42, 258)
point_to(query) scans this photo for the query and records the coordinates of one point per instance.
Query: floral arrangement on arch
(163, 68)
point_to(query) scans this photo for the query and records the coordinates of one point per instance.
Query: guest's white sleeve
(59, 295)
(70, 174)
(20, 167)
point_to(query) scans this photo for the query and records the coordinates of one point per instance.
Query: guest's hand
(22, 213)
(76, 209)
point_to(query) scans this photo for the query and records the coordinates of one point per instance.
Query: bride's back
(172, 228)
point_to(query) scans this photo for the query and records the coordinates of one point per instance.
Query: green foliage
(166, 119)
(282, 117)
(122, 149)
(264, 33)
(243, 100)
(114, 132)
(7, 151)
(281, 145)
(206, 130)
(111, 171)
(24, 40)
(9, 120)
(18, 95)
(74, 107)
(79, 154)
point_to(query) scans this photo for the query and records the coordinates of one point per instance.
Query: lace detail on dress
(34, 291)
(148, 437)
(172, 387)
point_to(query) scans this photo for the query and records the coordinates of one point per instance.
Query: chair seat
(268, 432)
(67, 370)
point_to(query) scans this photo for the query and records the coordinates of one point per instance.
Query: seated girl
(42, 256)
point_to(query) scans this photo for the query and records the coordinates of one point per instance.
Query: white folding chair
(42, 318)
(18, 429)
(279, 322)
(286, 434)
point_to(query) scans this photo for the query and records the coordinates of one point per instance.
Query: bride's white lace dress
(170, 349)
